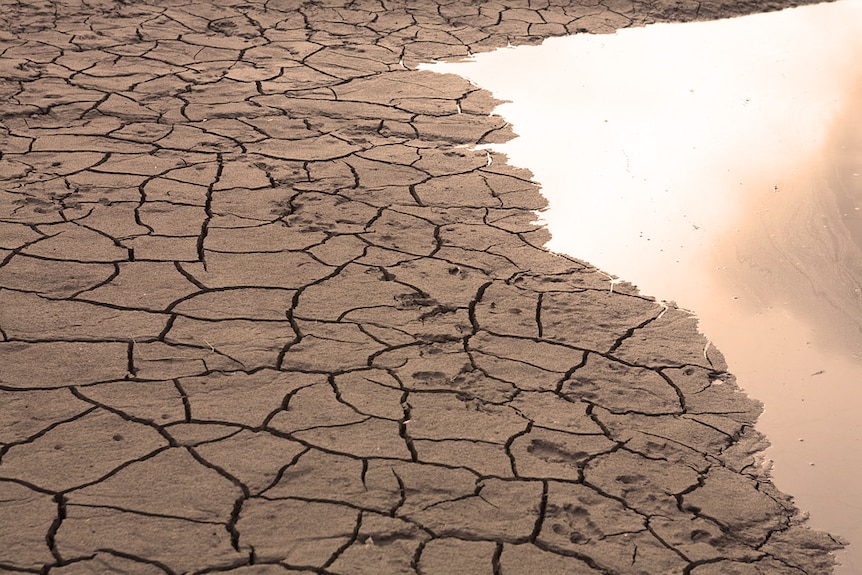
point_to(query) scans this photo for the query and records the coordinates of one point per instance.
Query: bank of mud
(264, 310)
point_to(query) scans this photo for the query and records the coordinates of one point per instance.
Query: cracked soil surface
(263, 310)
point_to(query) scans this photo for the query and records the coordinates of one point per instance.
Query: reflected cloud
(800, 247)
(719, 165)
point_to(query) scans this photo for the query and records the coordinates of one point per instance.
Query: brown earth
(263, 310)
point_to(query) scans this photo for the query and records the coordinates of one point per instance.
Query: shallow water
(719, 165)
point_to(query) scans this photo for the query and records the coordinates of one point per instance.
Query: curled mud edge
(265, 311)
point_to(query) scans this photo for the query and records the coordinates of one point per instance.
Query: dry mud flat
(263, 311)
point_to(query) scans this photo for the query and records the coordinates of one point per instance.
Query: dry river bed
(263, 310)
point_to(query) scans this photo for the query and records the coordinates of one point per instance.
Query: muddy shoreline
(262, 310)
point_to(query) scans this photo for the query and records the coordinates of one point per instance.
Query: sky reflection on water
(719, 165)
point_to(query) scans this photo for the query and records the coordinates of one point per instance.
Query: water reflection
(800, 246)
(719, 165)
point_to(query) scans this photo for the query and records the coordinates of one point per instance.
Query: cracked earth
(263, 309)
